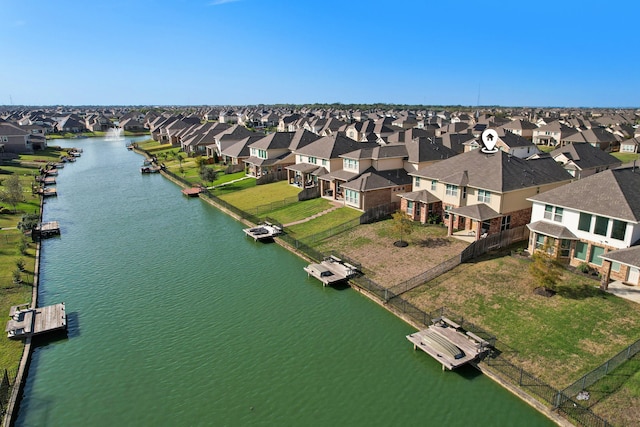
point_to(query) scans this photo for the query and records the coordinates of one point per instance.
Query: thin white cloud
(219, 2)
(20, 23)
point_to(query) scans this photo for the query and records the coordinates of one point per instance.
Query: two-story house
(579, 222)
(481, 193)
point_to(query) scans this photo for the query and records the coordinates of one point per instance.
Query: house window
(409, 207)
(601, 225)
(505, 223)
(484, 196)
(615, 267)
(351, 197)
(416, 182)
(5, 139)
(594, 256)
(452, 190)
(325, 162)
(313, 160)
(539, 241)
(447, 208)
(584, 224)
(581, 251)
(350, 164)
(565, 248)
(299, 158)
(558, 215)
(618, 229)
(553, 213)
(434, 184)
(464, 192)
(262, 154)
(551, 245)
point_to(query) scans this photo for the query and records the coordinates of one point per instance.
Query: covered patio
(304, 175)
(473, 222)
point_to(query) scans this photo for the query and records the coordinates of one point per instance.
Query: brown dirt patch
(372, 245)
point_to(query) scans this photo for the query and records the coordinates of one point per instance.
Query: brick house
(479, 193)
(590, 218)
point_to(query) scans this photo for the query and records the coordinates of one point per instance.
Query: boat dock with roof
(47, 229)
(448, 343)
(331, 270)
(27, 322)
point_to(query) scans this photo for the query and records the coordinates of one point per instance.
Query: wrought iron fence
(603, 370)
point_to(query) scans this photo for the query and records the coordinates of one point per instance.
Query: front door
(634, 275)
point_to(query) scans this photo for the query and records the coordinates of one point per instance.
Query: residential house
(582, 160)
(229, 136)
(15, 140)
(237, 152)
(523, 128)
(508, 142)
(320, 158)
(597, 137)
(630, 145)
(480, 193)
(579, 222)
(379, 175)
(270, 154)
(553, 134)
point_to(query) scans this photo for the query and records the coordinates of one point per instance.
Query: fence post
(628, 352)
(606, 368)
(520, 380)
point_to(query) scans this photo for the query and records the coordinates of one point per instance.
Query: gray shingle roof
(553, 230)
(419, 196)
(372, 179)
(499, 172)
(612, 193)
(629, 256)
(586, 156)
(479, 212)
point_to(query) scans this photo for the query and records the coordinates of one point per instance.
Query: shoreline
(23, 368)
(531, 401)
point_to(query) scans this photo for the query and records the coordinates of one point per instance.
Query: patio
(632, 293)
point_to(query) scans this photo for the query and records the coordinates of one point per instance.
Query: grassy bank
(14, 246)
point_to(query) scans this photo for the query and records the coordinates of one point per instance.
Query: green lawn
(298, 210)
(259, 195)
(545, 148)
(558, 339)
(625, 157)
(324, 223)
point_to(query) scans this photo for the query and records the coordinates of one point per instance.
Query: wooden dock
(448, 343)
(27, 322)
(192, 192)
(263, 231)
(51, 172)
(47, 229)
(331, 270)
(47, 191)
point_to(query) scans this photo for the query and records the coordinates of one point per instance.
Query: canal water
(177, 319)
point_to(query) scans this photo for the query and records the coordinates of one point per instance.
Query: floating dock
(51, 172)
(263, 231)
(448, 343)
(47, 229)
(331, 270)
(27, 322)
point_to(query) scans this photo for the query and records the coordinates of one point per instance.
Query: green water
(177, 319)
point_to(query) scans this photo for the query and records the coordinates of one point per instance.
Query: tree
(12, 193)
(545, 269)
(208, 174)
(403, 225)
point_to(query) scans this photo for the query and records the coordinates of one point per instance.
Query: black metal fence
(603, 370)
(6, 382)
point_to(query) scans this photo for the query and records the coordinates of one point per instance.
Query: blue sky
(237, 52)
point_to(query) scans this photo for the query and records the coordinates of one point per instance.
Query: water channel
(177, 319)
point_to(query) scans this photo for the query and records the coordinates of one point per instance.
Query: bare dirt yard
(372, 245)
